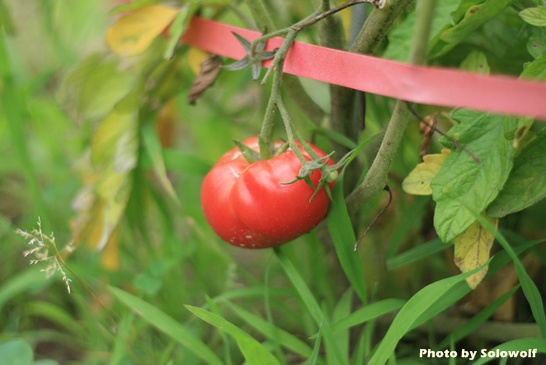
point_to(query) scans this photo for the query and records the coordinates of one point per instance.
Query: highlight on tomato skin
(250, 205)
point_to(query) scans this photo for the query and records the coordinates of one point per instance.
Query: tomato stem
(264, 139)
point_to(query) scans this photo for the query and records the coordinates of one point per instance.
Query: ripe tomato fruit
(247, 205)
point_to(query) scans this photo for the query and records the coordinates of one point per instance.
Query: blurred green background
(60, 82)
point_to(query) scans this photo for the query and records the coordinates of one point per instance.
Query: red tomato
(247, 205)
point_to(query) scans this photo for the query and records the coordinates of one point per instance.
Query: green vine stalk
(376, 178)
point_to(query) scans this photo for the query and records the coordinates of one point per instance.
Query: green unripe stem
(290, 134)
(264, 139)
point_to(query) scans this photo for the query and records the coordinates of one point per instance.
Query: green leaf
(536, 45)
(415, 307)
(313, 359)
(272, 332)
(475, 15)
(416, 253)
(115, 144)
(342, 336)
(343, 237)
(103, 86)
(54, 314)
(534, 16)
(532, 294)
(334, 355)
(114, 151)
(177, 28)
(526, 184)
(30, 279)
(252, 350)
(476, 62)
(477, 320)
(341, 231)
(16, 352)
(535, 70)
(472, 176)
(155, 152)
(167, 325)
(401, 37)
(368, 313)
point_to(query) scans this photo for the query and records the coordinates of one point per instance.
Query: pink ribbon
(424, 85)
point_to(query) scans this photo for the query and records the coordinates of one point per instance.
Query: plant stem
(376, 178)
(264, 139)
(292, 84)
(377, 26)
(327, 13)
(425, 14)
(343, 100)
(290, 133)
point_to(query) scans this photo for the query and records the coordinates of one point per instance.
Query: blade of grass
(342, 310)
(415, 307)
(332, 351)
(252, 292)
(167, 325)
(363, 348)
(367, 313)
(529, 288)
(313, 359)
(13, 105)
(120, 347)
(477, 320)
(342, 233)
(461, 289)
(155, 152)
(272, 332)
(27, 280)
(54, 314)
(214, 309)
(252, 350)
(343, 237)
(269, 314)
(415, 254)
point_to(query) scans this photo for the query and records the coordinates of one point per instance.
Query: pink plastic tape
(424, 85)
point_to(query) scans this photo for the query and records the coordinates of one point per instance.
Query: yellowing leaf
(418, 181)
(110, 255)
(196, 57)
(133, 33)
(108, 179)
(472, 251)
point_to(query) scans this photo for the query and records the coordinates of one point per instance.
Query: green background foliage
(106, 152)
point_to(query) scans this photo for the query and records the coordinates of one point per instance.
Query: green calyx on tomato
(251, 205)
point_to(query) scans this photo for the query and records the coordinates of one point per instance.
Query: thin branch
(454, 142)
(377, 3)
(383, 210)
